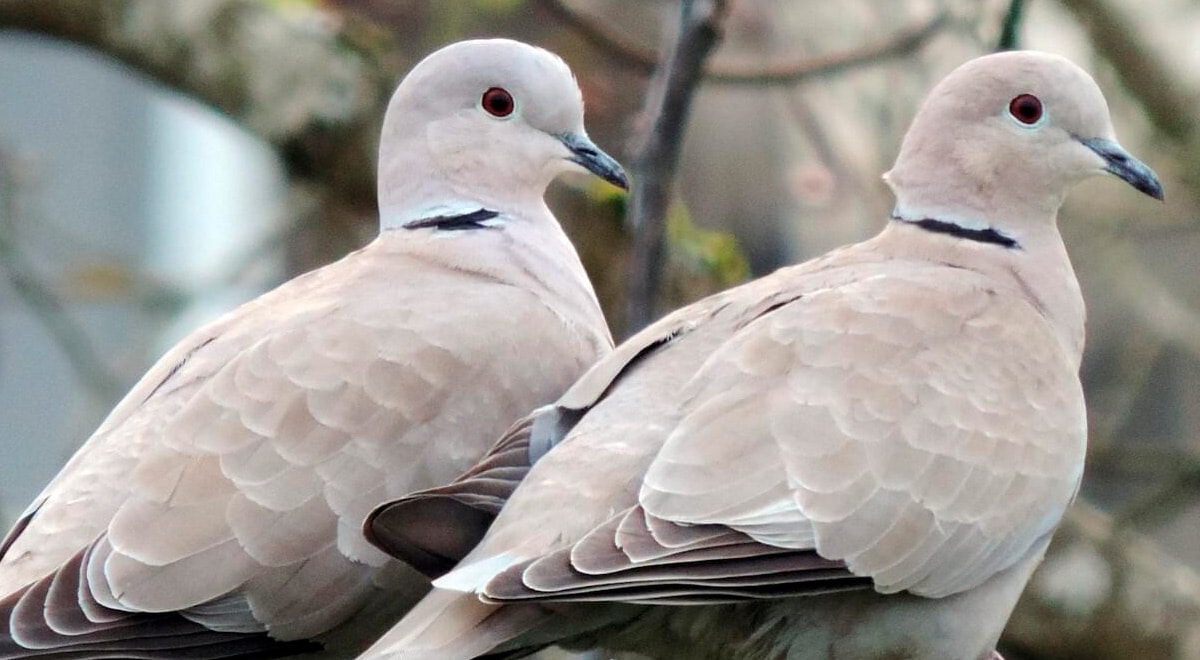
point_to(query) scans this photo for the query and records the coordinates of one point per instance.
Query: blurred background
(161, 162)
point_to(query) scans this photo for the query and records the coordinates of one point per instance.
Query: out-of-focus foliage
(705, 253)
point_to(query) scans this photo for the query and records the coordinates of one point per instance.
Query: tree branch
(1010, 29)
(1106, 593)
(1145, 296)
(1168, 101)
(785, 72)
(43, 302)
(297, 79)
(667, 105)
(805, 68)
(597, 33)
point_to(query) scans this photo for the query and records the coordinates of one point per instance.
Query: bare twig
(788, 71)
(311, 83)
(805, 68)
(1143, 456)
(1171, 321)
(1167, 98)
(667, 103)
(1112, 406)
(1105, 594)
(1176, 490)
(44, 303)
(304, 86)
(826, 153)
(1148, 299)
(596, 32)
(1011, 28)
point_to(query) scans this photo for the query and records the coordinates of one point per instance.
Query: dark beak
(1120, 164)
(589, 157)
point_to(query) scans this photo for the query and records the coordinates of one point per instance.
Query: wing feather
(432, 530)
(892, 429)
(227, 490)
(858, 432)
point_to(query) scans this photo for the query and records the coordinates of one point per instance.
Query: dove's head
(1000, 142)
(483, 124)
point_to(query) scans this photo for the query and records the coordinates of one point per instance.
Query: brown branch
(784, 72)
(599, 34)
(1175, 491)
(667, 105)
(1152, 303)
(1168, 100)
(1010, 28)
(45, 305)
(1106, 593)
(803, 69)
(302, 84)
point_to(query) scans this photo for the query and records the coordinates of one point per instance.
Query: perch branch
(1139, 602)
(657, 156)
(787, 71)
(298, 79)
(43, 302)
(1010, 29)
(1166, 97)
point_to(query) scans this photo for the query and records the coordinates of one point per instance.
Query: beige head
(1000, 142)
(482, 124)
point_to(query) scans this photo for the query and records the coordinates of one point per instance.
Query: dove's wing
(239, 470)
(882, 424)
(434, 529)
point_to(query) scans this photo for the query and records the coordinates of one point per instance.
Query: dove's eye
(498, 102)
(1026, 109)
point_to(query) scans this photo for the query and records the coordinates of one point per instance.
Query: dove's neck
(407, 205)
(416, 183)
(976, 222)
(973, 218)
(422, 215)
(951, 188)
(522, 245)
(1035, 265)
(485, 218)
(967, 219)
(549, 264)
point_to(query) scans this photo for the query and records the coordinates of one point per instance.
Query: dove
(860, 456)
(217, 511)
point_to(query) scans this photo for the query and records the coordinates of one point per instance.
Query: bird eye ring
(1026, 108)
(498, 102)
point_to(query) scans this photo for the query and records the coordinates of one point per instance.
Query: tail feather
(451, 625)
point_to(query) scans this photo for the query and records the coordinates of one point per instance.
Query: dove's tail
(452, 625)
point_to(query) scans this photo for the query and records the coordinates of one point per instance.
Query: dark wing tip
(428, 531)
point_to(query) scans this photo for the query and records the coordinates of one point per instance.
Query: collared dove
(862, 456)
(217, 512)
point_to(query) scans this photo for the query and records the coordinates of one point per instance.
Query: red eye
(1026, 109)
(498, 102)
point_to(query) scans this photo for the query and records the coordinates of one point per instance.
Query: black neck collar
(460, 222)
(988, 235)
